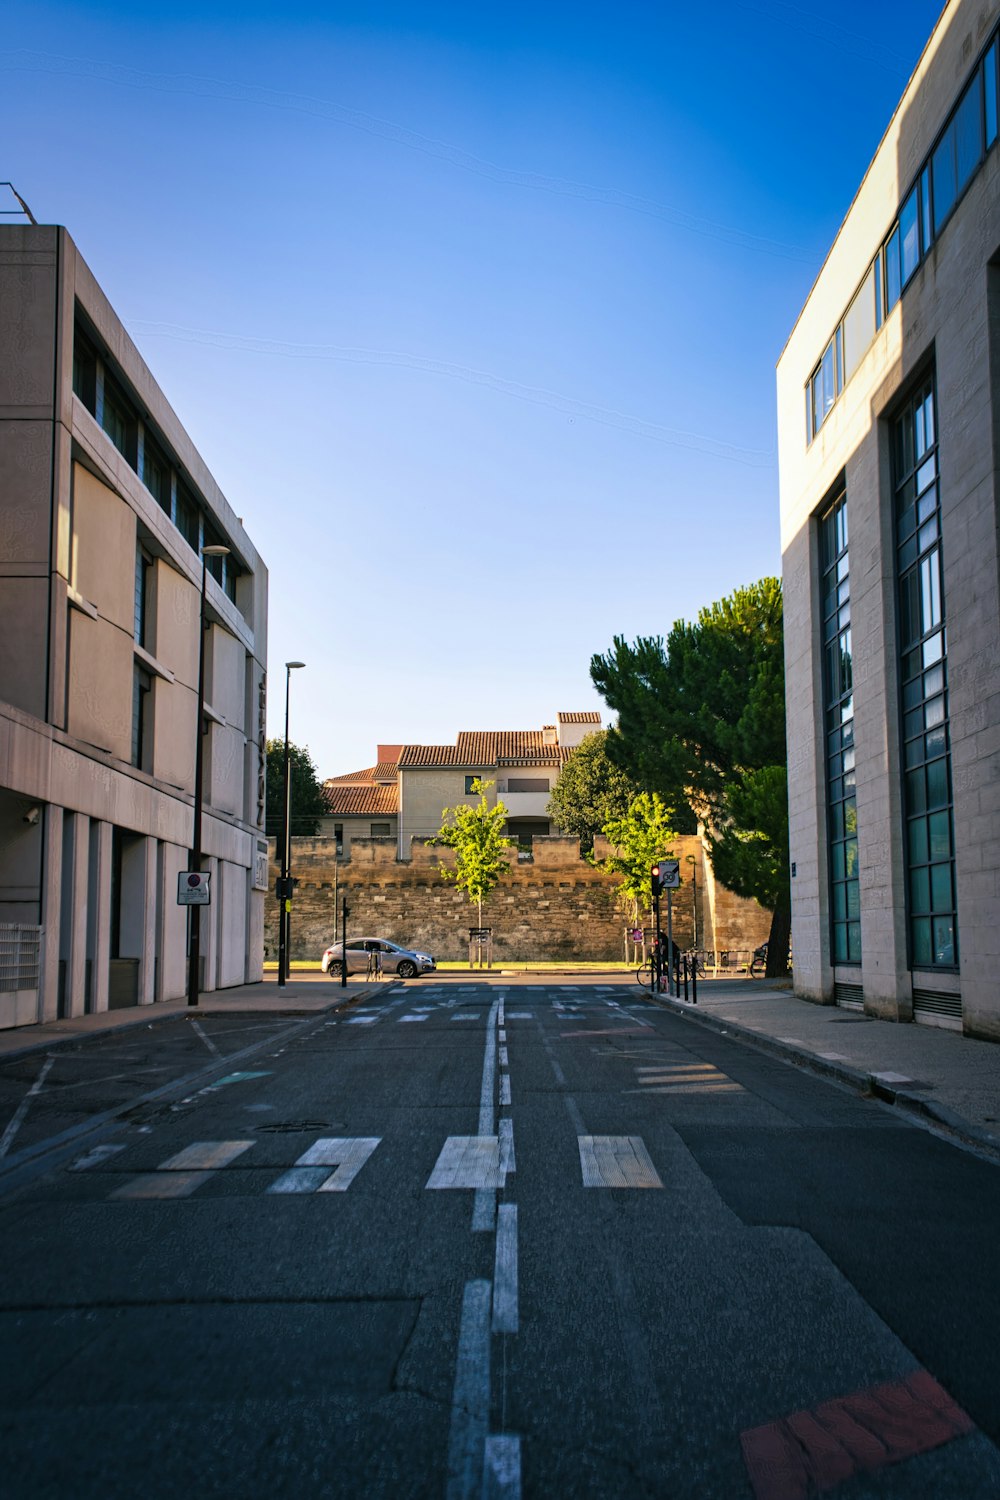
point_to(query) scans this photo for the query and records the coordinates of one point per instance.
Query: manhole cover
(290, 1127)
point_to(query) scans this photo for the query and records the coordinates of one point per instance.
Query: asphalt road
(491, 1238)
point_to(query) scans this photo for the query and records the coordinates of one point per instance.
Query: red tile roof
(346, 799)
(590, 717)
(352, 776)
(484, 749)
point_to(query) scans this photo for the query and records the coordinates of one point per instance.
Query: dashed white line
(470, 1402)
(17, 1119)
(616, 1161)
(502, 1467)
(505, 1271)
(504, 1088)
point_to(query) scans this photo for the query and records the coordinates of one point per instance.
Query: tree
(590, 792)
(477, 837)
(702, 718)
(307, 805)
(641, 836)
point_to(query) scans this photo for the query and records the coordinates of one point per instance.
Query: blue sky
(473, 312)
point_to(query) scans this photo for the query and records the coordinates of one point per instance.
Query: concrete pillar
(99, 914)
(210, 927)
(52, 852)
(76, 875)
(150, 923)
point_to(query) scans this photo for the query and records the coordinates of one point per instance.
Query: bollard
(685, 978)
(694, 980)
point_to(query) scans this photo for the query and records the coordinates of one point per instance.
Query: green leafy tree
(477, 837)
(307, 805)
(590, 792)
(640, 837)
(701, 718)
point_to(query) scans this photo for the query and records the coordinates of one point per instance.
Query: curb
(874, 1085)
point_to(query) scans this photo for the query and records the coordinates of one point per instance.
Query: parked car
(394, 959)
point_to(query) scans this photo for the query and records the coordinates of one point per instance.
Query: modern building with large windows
(105, 509)
(889, 426)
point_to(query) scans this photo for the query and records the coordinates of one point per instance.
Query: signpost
(478, 937)
(666, 876)
(194, 888)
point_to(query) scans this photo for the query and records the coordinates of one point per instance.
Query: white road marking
(361, 1020)
(504, 1088)
(17, 1118)
(196, 1026)
(470, 1401)
(617, 1161)
(163, 1185)
(502, 1467)
(311, 1171)
(506, 1137)
(423, 1017)
(205, 1156)
(469, 1161)
(94, 1157)
(465, 1016)
(505, 1271)
(503, 1056)
(520, 1015)
(484, 1205)
(501, 1035)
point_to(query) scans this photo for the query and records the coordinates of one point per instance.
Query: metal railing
(20, 957)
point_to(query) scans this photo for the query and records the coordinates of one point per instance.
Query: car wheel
(406, 969)
(335, 969)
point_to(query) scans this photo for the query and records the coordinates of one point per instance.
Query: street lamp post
(284, 924)
(692, 860)
(194, 912)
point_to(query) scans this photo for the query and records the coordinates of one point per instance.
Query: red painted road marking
(812, 1451)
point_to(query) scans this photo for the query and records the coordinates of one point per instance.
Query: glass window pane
(969, 132)
(837, 861)
(920, 932)
(909, 234)
(892, 281)
(925, 209)
(854, 942)
(941, 894)
(918, 841)
(916, 792)
(853, 899)
(878, 291)
(839, 903)
(851, 858)
(840, 943)
(944, 940)
(939, 825)
(991, 95)
(934, 713)
(943, 170)
(930, 592)
(937, 784)
(859, 325)
(920, 891)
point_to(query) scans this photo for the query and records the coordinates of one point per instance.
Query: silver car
(365, 952)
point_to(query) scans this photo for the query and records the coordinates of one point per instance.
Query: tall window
(930, 840)
(838, 696)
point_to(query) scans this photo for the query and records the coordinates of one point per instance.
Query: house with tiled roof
(403, 794)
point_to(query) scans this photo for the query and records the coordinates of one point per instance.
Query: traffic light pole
(657, 954)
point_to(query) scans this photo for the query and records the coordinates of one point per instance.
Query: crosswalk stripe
(617, 1161)
(468, 1161)
(311, 1171)
(205, 1156)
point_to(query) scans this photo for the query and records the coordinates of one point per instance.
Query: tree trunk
(778, 940)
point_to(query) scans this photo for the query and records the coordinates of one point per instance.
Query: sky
(472, 311)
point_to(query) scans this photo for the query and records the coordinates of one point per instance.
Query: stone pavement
(950, 1080)
(302, 995)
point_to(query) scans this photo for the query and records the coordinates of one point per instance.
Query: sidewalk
(949, 1079)
(302, 996)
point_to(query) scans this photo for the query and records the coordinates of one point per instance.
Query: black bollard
(685, 978)
(694, 980)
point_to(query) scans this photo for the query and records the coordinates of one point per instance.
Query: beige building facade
(104, 507)
(404, 795)
(888, 452)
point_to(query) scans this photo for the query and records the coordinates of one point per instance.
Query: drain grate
(292, 1127)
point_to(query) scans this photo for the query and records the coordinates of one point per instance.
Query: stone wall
(555, 906)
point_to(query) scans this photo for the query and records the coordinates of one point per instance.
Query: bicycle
(645, 976)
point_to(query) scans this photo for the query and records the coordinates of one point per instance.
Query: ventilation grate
(849, 996)
(937, 1003)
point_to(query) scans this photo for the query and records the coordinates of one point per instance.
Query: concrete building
(888, 446)
(104, 508)
(403, 795)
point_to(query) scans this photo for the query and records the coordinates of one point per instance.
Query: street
(484, 1236)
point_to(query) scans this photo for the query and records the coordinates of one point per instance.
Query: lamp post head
(290, 664)
(215, 551)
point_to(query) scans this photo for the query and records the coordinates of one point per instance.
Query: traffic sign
(193, 888)
(670, 874)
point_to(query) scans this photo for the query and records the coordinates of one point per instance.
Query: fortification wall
(555, 906)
